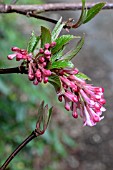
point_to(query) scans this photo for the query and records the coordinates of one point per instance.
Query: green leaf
(40, 112)
(57, 55)
(82, 16)
(93, 11)
(61, 41)
(62, 64)
(73, 53)
(45, 36)
(55, 81)
(49, 116)
(82, 76)
(32, 42)
(45, 112)
(83, 3)
(57, 29)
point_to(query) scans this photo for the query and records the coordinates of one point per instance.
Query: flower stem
(18, 149)
(20, 69)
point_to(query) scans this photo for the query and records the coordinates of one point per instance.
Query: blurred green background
(66, 145)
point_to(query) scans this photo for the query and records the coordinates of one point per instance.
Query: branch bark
(20, 69)
(18, 149)
(34, 10)
(4, 8)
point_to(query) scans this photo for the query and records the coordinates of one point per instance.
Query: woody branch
(4, 8)
(34, 10)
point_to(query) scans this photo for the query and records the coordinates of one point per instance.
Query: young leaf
(40, 113)
(62, 64)
(72, 53)
(82, 76)
(32, 42)
(82, 16)
(45, 36)
(57, 29)
(49, 116)
(44, 121)
(55, 81)
(57, 55)
(61, 41)
(93, 11)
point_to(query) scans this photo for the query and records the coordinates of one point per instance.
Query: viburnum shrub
(45, 61)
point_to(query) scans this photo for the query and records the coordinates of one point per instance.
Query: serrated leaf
(55, 81)
(73, 53)
(58, 55)
(32, 42)
(83, 76)
(62, 64)
(61, 41)
(93, 11)
(57, 29)
(45, 36)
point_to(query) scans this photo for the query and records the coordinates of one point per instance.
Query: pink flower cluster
(78, 95)
(19, 54)
(37, 71)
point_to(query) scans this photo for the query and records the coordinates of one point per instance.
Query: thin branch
(18, 149)
(34, 10)
(20, 69)
(4, 8)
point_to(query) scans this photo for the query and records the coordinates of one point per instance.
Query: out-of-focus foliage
(19, 100)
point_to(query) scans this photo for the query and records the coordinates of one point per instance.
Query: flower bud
(41, 51)
(41, 59)
(35, 82)
(45, 80)
(47, 52)
(31, 77)
(16, 49)
(38, 73)
(11, 56)
(47, 46)
(52, 44)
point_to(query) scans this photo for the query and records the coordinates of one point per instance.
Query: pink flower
(78, 95)
(36, 65)
(20, 54)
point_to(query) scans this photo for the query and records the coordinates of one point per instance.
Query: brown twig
(19, 148)
(34, 10)
(20, 69)
(4, 8)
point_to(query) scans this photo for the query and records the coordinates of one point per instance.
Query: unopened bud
(15, 49)
(75, 115)
(45, 79)
(38, 73)
(41, 59)
(41, 51)
(31, 77)
(47, 52)
(47, 46)
(11, 56)
(35, 82)
(52, 44)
